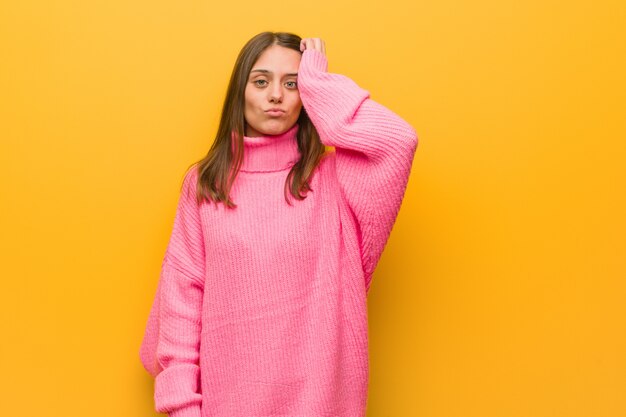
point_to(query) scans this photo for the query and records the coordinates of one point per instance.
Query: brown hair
(218, 169)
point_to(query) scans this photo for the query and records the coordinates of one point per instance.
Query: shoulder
(328, 159)
(326, 171)
(325, 166)
(190, 175)
(188, 188)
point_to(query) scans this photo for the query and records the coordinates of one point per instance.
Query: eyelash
(255, 82)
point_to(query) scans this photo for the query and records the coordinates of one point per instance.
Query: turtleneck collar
(269, 153)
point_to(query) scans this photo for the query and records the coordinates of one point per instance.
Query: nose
(275, 93)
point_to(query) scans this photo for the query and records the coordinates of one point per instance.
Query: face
(272, 85)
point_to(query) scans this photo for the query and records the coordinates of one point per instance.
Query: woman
(261, 306)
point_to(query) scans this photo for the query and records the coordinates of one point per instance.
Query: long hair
(218, 169)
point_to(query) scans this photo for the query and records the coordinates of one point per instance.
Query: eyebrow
(270, 72)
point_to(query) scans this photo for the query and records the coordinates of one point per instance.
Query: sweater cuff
(193, 410)
(317, 59)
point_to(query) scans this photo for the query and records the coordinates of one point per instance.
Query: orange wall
(501, 291)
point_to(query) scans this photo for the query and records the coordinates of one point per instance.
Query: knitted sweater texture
(261, 310)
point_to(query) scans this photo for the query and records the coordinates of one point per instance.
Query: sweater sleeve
(374, 150)
(170, 347)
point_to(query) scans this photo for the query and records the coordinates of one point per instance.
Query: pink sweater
(261, 311)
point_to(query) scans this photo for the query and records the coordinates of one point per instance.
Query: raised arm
(374, 150)
(170, 347)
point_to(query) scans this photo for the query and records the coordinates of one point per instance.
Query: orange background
(501, 290)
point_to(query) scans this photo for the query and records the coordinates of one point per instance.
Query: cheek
(251, 99)
(295, 102)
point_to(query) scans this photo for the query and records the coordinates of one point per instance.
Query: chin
(272, 126)
(275, 127)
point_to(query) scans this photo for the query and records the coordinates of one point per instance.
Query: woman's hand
(313, 43)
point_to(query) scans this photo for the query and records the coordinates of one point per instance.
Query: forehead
(278, 60)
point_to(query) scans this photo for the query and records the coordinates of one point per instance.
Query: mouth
(275, 112)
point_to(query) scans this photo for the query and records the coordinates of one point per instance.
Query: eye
(292, 82)
(256, 82)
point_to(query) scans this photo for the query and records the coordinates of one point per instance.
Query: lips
(275, 112)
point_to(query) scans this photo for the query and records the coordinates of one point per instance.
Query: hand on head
(313, 43)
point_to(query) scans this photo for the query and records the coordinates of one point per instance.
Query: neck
(269, 153)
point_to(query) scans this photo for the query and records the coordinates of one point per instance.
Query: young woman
(260, 309)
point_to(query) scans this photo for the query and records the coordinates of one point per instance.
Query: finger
(321, 46)
(318, 44)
